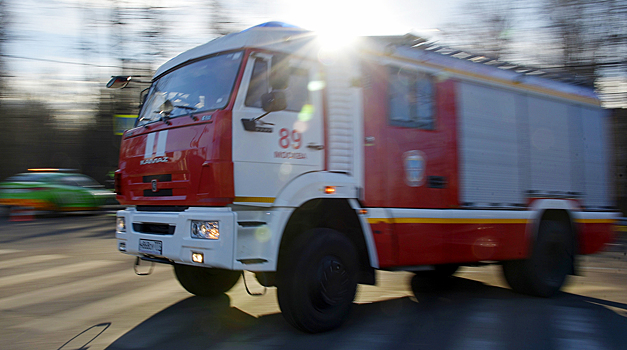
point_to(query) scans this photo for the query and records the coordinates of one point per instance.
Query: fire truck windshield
(200, 86)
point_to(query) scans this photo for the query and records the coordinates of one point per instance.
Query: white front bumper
(178, 247)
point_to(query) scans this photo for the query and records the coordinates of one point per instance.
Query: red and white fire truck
(312, 167)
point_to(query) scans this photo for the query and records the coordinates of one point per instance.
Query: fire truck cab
(312, 167)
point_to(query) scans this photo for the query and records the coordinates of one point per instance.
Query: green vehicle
(46, 189)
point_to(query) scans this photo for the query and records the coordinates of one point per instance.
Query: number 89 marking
(286, 138)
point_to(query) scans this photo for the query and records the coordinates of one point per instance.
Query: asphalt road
(63, 285)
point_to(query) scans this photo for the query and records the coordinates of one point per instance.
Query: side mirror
(273, 101)
(143, 95)
(118, 82)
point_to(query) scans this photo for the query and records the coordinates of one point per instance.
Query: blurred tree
(580, 37)
(154, 35)
(221, 22)
(100, 146)
(5, 130)
(483, 26)
(4, 37)
(30, 137)
(590, 36)
(118, 23)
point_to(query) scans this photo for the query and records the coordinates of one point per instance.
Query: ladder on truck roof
(552, 73)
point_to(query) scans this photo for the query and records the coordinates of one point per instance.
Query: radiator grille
(154, 228)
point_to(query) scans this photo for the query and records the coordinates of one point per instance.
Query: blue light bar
(276, 24)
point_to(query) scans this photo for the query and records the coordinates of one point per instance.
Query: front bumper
(173, 230)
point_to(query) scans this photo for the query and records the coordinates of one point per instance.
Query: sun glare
(339, 21)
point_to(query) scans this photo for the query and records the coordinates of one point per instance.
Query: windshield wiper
(187, 107)
(167, 107)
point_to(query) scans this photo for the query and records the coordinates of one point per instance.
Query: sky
(46, 63)
(55, 29)
(46, 33)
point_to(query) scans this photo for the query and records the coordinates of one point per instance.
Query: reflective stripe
(150, 143)
(595, 221)
(255, 199)
(445, 221)
(163, 137)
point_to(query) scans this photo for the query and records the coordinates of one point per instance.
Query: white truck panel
(595, 153)
(343, 112)
(550, 149)
(253, 179)
(312, 185)
(577, 158)
(256, 247)
(489, 148)
(511, 143)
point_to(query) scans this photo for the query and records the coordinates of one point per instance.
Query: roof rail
(552, 73)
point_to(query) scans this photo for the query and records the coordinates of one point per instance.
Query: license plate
(148, 246)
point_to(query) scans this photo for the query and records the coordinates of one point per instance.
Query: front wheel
(204, 281)
(316, 283)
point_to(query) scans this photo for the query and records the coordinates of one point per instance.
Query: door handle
(315, 147)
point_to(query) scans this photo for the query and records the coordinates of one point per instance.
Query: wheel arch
(561, 215)
(333, 213)
(554, 209)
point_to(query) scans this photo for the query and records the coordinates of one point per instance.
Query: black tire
(316, 281)
(204, 281)
(551, 260)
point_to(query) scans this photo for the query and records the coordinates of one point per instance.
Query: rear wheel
(551, 260)
(316, 282)
(203, 281)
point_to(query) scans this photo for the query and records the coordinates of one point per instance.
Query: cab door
(410, 132)
(269, 151)
(410, 157)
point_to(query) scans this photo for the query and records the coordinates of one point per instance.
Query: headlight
(205, 229)
(120, 224)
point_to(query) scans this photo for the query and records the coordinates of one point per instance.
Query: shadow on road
(465, 315)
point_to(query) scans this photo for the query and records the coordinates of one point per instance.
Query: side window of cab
(259, 83)
(411, 99)
(276, 72)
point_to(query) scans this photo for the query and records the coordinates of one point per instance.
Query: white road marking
(29, 260)
(67, 290)
(54, 272)
(80, 316)
(616, 269)
(9, 251)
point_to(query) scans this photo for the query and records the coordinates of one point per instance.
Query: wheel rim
(332, 282)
